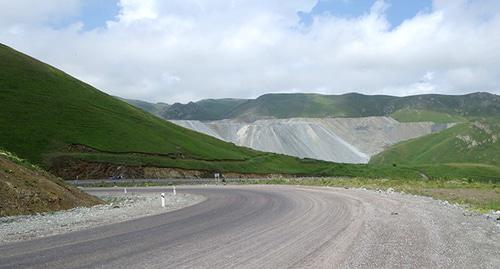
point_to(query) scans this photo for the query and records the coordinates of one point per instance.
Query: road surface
(276, 227)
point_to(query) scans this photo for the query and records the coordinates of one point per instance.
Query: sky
(187, 50)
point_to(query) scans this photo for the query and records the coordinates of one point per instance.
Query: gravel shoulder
(410, 231)
(120, 207)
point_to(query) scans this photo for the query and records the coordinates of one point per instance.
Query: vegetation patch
(415, 115)
(474, 143)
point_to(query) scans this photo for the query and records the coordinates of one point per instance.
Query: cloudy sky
(183, 50)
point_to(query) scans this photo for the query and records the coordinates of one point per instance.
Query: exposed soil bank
(73, 169)
(27, 189)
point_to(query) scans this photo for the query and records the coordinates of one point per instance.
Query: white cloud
(181, 50)
(19, 12)
(137, 10)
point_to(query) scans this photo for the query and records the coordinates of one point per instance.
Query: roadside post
(125, 190)
(175, 193)
(162, 199)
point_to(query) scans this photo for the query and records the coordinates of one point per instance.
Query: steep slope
(431, 107)
(474, 142)
(26, 189)
(345, 140)
(43, 111)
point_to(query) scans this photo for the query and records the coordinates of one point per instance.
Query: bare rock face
(344, 140)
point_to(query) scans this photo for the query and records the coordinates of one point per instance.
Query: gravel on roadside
(119, 207)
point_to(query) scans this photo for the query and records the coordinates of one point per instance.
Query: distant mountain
(208, 109)
(430, 107)
(153, 108)
(358, 105)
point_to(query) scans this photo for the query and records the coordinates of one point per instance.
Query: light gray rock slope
(346, 140)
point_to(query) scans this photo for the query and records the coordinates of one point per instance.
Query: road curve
(276, 227)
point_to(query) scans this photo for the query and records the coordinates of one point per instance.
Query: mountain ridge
(311, 105)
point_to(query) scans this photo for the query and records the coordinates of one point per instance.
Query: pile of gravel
(119, 207)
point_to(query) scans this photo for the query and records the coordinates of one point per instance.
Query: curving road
(276, 227)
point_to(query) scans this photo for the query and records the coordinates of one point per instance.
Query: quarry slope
(344, 140)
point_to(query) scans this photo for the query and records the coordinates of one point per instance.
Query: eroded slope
(26, 189)
(346, 140)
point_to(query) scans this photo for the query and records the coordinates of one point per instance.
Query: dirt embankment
(25, 189)
(76, 169)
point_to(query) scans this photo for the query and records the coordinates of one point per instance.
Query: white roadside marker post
(125, 190)
(162, 199)
(175, 193)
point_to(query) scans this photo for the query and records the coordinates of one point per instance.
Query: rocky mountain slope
(345, 140)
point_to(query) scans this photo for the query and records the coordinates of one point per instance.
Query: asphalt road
(276, 227)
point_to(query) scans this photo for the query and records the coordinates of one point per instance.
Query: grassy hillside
(431, 107)
(43, 110)
(470, 145)
(415, 115)
(26, 189)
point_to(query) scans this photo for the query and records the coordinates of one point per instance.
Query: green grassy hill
(43, 110)
(415, 115)
(473, 145)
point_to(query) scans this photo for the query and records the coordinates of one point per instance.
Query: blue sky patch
(93, 14)
(398, 11)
